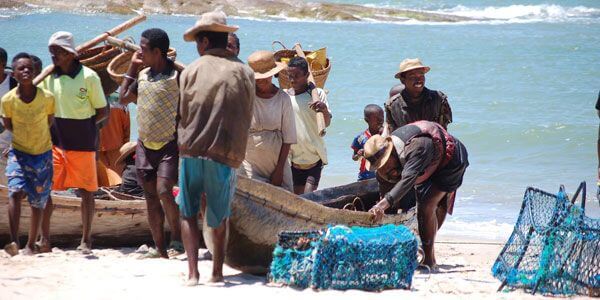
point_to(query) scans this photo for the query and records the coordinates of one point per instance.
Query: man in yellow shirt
(28, 111)
(80, 105)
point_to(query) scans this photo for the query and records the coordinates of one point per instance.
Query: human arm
(322, 106)
(419, 156)
(128, 92)
(357, 148)
(445, 117)
(7, 123)
(277, 176)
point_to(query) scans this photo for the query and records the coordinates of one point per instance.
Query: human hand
(277, 177)
(378, 210)
(5, 152)
(360, 152)
(318, 106)
(136, 59)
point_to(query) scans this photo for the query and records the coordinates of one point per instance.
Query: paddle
(315, 95)
(100, 38)
(133, 47)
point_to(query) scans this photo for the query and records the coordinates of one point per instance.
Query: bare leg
(428, 223)
(45, 240)
(14, 215)
(219, 236)
(298, 189)
(165, 192)
(36, 220)
(156, 217)
(88, 207)
(309, 187)
(191, 235)
(442, 211)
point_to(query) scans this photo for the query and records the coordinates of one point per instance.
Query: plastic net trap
(344, 257)
(554, 248)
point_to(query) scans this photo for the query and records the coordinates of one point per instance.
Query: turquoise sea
(522, 81)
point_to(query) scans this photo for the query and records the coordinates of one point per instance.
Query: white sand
(118, 273)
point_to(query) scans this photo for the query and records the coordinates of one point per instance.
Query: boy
(374, 117)
(156, 92)
(28, 111)
(309, 153)
(80, 105)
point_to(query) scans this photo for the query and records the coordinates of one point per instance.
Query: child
(374, 118)
(28, 111)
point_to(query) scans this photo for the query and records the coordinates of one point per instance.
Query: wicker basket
(320, 76)
(120, 64)
(98, 59)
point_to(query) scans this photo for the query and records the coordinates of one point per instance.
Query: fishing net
(346, 258)
(554, 248)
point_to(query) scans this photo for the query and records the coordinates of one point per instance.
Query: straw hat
(377, 150)
(215, 21)
(411, 64)
(126, 150)
(264, 65)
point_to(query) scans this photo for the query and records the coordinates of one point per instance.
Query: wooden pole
(133, 47)
(315, 95)
(98, 39)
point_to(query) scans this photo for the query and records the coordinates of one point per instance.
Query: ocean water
(522, 81)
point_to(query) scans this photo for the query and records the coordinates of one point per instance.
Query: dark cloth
(73, 134)
(432, 106)
(157, 163)
(130, 184)
(407, 202)
(312, 175)
(12, 83)
(215, 107)
(420, 152)
(598, 102)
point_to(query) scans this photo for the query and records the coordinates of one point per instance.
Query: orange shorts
(74, 169)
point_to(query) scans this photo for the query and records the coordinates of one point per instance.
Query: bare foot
(193, 280)
(43, 247)
(216, 278)
(84, 248)
(12, 249)
(27, 251)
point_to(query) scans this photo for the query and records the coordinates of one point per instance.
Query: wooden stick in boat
(315, 95)
(100, 38)
(133, 47)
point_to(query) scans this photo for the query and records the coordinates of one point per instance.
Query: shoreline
(259, 9)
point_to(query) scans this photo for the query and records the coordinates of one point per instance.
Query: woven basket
(320, 76)
(120, 64)
(97, 59)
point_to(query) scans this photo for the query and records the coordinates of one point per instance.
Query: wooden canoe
(260, 211)
(116, 222)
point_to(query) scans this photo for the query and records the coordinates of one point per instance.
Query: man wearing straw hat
(420, 157)
(217, 97)
(80, 105)
(416, 102)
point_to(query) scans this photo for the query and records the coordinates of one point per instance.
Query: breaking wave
(525, 13)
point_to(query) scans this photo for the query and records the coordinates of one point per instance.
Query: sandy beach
(120, 273)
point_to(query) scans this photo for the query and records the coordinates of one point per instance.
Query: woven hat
(215, 21)
(411, 64)
(64, 40)
(126, 150)
(264, 65)
(377, 150)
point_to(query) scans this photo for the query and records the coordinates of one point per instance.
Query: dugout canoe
(260, 211)
(120, 221)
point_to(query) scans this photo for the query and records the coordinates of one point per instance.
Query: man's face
(61, 57)
(201, 45)
(232, 45)
(149, 55)
(414, 80)
(391, 171)
(298, 78)
(23, 70)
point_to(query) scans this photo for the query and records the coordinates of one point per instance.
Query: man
(233, 43)
(217, 97)
(423, 157)
(309, 154)
(156, 92)
(7, 83)
(79, 105)
(416, 102)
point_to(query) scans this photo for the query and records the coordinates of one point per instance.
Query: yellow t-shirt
(31, 132)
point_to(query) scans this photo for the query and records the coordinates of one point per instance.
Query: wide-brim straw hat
(126, 150)
(215, 21)
(377, 151)
(264, 65)
(411, 64)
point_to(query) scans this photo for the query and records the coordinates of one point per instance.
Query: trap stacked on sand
(346, 258)
(554, 248)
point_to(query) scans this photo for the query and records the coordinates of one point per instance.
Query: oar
(315, 95)
(133, 47)
(100, 38)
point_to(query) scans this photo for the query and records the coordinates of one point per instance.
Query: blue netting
(554, 248)
(346, 258)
